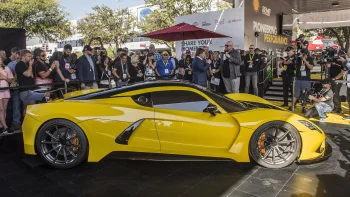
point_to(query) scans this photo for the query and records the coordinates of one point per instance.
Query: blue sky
(78, 8)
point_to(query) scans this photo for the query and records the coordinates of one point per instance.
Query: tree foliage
(223, 5)
(43, 18)
(109, 25)
(166, 13)
(342, 34)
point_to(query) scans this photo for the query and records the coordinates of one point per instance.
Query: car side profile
(169, 119)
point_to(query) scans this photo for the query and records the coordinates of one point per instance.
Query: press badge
(302, 70)
(109, 73)
(250, 64)
(124, 76)
(190, 72)
(67, 66)
(166, 71)
(73, 76)
(213, 70)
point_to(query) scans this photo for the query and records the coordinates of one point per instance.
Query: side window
(179, 100)
(143, 99)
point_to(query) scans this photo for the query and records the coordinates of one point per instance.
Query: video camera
(304, 98)
(329, 55)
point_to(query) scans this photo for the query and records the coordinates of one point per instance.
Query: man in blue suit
(86, 69)
(200, 67)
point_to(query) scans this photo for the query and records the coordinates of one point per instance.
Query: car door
(141, 135)
(183, 127)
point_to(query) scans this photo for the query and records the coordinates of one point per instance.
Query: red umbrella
(183, 31)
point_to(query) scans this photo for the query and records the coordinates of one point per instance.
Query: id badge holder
(166, 71)
(109, 73)
(213, 70)
(124, 76)
(303, 73)
(67, 66)
(73, 76)
(302, 68)
(250, 65)
(190, 72)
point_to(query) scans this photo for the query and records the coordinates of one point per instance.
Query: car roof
(108, 93)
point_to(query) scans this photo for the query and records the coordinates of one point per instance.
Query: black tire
(275, 151)
(62, 144)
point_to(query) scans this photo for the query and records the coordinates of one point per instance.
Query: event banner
(229, 22)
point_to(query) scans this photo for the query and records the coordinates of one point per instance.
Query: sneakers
(323, 119)
(16, 127)
(6, 131)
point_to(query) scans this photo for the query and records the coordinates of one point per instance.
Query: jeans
(16, 108)
(232, 85)
(322, 108)
(251, 76)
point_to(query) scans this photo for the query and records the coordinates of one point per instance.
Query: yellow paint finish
(29, 129)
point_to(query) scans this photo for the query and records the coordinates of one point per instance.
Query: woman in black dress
(215, 71)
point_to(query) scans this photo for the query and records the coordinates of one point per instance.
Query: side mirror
(212, 109)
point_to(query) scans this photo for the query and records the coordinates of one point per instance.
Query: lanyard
(123, 68)
(165, 63)
(251, 57)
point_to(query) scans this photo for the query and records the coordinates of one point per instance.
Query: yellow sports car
(169, 119)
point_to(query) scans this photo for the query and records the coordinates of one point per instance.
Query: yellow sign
(256, 5)
(269, 38)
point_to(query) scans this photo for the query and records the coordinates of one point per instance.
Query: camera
(304, 98)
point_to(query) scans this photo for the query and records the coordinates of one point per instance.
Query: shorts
(25, 102)
(301, 85)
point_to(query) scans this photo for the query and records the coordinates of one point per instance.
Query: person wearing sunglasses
(230, 68)
(251, 62)
(164, 67)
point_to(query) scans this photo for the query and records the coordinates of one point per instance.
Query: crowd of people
(231, 71)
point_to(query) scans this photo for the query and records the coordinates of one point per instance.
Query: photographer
(301, 43)
(323, 101)
(337, 69)
(288, 67)
(303, 66)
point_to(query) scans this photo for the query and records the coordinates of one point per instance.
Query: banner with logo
(263, 23)
(229, 22)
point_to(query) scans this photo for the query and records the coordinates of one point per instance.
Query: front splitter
(327, 155)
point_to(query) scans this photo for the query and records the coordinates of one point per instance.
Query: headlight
(309, 125)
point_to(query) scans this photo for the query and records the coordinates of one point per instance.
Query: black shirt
(288, 69)
(134, 71)
(6, 61)
(251, 62)
(39, 67)
(21, 67)
(215, 64)
(122, 69)
(303, 72)
(186, 63)
(335, 69)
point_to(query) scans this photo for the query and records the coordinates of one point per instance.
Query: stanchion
(293, 93)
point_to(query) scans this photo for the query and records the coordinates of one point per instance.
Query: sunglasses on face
(165, 55)
(42, 55)
(226, 45)
(251, 48)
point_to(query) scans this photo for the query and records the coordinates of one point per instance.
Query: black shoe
(16, 127)
(8, 131)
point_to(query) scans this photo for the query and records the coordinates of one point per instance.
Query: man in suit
(230, 68)
(200, 67)
(86, 69)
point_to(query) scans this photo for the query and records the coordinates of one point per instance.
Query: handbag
(41, 81)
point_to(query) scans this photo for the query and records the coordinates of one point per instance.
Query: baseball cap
(327, 81)
(87, 48)
(289, 49)
(301, 36)
(165, 53)
(257, 50)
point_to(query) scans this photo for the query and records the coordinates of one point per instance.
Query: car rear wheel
(62, 144)
(275, 145)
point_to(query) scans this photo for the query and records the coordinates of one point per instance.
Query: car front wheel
(275, 145)
(62, 144)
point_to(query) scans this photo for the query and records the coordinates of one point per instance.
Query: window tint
(226, 103)
(179, 100)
